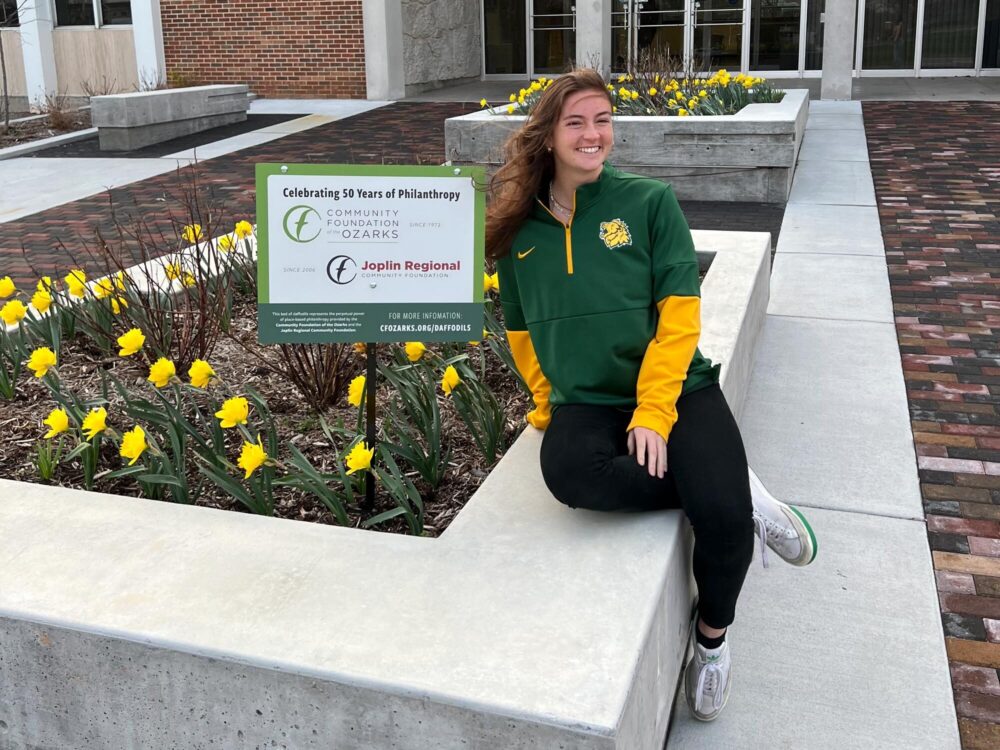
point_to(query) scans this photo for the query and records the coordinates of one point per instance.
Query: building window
(93, 12)
(8, 13)
(116, 12)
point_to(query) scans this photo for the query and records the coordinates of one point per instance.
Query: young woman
(600, 292)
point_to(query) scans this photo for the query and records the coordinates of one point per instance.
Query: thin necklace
(556, 204)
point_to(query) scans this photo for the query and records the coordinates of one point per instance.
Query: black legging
(585, 464)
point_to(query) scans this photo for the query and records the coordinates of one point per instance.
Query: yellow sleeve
(527, 364)
(665, 364)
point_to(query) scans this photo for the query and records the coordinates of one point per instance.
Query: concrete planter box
(748, 157)
(126, 122)
(129, 623)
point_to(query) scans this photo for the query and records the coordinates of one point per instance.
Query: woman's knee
(575, 484)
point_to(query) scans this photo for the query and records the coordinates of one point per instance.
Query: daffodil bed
(652, 94)
(92, 400)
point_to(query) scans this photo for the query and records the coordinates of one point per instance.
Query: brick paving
(936, 170)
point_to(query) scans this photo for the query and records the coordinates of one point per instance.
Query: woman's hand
(649, 449)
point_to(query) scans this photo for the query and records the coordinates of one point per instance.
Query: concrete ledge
(13, 152)
(754, 151)
(129, 121)
(131, 624)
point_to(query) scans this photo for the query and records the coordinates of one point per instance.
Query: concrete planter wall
(748, 157)
(133, 624)
(126, 122)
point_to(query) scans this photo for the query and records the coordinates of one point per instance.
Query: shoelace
(709, 679)
(766, 528)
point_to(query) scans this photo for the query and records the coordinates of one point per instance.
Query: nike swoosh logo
(526, 253)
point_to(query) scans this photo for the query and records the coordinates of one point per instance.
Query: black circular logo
(341, 269)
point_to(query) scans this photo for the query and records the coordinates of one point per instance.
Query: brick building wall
(286, 48)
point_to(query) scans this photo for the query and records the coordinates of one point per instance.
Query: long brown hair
(528, 162)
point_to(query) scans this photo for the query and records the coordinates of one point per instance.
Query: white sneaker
(781, 527)
(707, 680)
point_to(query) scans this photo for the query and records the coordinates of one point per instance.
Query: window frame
(98, 18)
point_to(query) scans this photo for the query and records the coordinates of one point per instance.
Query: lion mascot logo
(615, 234)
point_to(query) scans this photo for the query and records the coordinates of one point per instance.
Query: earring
(548, 148)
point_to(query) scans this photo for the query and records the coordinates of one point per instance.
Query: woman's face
(583, 136)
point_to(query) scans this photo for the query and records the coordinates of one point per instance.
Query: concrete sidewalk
(849, 652)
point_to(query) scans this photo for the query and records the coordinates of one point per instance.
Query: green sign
(352, 253)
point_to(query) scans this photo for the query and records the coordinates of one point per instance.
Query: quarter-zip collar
(586, 195)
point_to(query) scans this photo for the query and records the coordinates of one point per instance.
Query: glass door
(775, 26)
(991, 36)
(888, 35)
(505, 45)
(552, 33)
(951, 28)
(717, 34)
(703, 34)
(647, 27)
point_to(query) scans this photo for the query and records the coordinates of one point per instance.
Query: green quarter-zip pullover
(606, 310)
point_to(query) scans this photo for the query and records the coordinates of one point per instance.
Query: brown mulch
(35, 130)
(80, 359)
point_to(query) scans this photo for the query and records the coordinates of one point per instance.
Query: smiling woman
(602, 302)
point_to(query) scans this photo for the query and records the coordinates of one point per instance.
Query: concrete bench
(134, 624)
(126, 122)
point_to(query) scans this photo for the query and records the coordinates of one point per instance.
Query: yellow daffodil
(692, 103)
(41, 360)
(623, 92)
(201, 373)
(621, 78)
(44, 284)
(243, 229)
(189, 279)
(356, 391)
(76, 282)
(512, 99)
(482, 102)
(118, 304)
(653, 91)
(634, 94)
(491, 282)
(13, 312)
(133, 444)
(682, 112)
(510, 109)
(225, 243)
(58, 423)
(360, 458)
(41, 300)
(192, 233)
(172, 270)
(120, 281)
(95, 423)
(161, 371)
(234, 411)
(7, 287)
(679, 96)
(450, 379)
(104, 288)
(252, 457)
(703, 93)
(414, 350)
(131, 342)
